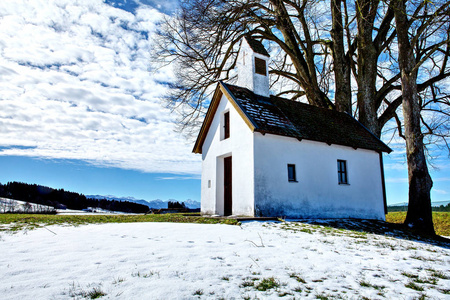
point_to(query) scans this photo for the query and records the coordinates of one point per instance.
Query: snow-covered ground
(11, 205)
(91, 211)
(188, 261)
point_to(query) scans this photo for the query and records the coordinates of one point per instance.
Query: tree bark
(342, 84)
(367, 65)
(419, 216)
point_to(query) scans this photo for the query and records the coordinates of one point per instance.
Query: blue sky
(81, 109)
(76, 175)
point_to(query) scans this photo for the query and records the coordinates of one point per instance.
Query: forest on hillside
(433, 208)
(59, 198)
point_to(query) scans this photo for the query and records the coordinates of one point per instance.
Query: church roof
(280, 116)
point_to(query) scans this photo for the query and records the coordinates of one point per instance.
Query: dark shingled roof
(257, 46)
(280, 116)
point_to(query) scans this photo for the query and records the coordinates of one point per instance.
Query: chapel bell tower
(252, 67)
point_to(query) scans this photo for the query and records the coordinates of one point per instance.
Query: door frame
(227, 186)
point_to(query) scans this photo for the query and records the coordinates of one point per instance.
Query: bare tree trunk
(419, 215)
(343, 93)
(367, 65)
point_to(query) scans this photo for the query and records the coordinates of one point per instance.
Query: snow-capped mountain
(156, 204)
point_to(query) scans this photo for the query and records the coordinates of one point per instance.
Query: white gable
(214, 149)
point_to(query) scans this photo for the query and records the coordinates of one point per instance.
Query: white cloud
(441, 179)
(75, 84)
(441, 192)
(179, 177)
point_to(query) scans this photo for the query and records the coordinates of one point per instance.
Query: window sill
(292, 180)
(344, 183)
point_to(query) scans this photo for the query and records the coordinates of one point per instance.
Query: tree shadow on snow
(399, 231)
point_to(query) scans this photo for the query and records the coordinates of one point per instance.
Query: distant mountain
(156, 204)
(60, 198)
(437, 203)
(192, 203)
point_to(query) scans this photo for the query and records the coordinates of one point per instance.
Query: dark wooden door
(228, 202)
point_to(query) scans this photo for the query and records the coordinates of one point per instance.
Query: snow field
(189, 261)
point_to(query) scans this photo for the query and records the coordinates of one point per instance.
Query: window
(226, 125)
(342, 171)
(291, 173)
(260, 66)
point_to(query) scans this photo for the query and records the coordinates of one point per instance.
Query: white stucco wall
(240, 146)
(317, 193)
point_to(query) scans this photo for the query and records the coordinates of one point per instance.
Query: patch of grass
(15, 222)
(410, 275)
(432, 281)
(411, 248)
(438, 274)
(422, 296)
(198, 293)
(267, 284)
(445, 291)
(297, 227)
(136, 274)
(118, 280)
(307, 230)
(95, 293)
(322, 296)
(144, 275)
(247, 283)
(385, 245)
(364, 283)
(423, 258)
(357, 234)
(297, 277)
(226, 278)
(441, 221)
(414, 286)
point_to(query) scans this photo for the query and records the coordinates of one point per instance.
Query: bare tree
(3, 205)
(412, 34)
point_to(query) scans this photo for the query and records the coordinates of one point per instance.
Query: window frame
(294, 173)
(226, 125)
(259, 63)
(342, 171)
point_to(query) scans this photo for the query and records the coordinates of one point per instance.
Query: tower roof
(257, 46)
